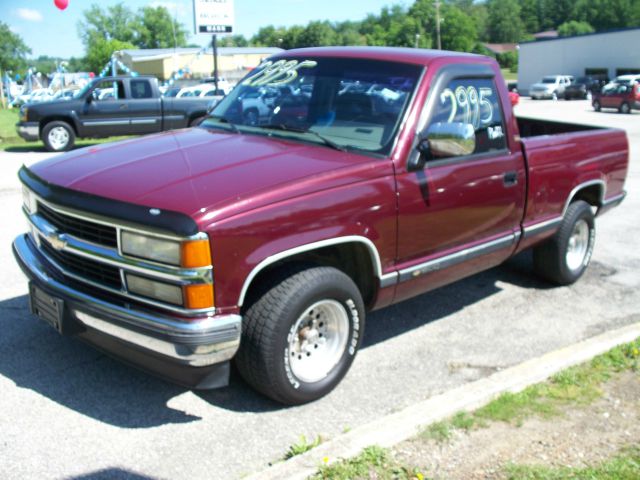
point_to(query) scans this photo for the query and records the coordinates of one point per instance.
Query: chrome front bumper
(29, 131)
(194, 343)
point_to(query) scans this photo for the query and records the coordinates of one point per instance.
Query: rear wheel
(596, 106)
(300, 336)
(625, 108)
(564, 257)
(58, 136)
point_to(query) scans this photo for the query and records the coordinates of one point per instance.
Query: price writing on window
(472, 104)
(278, 73)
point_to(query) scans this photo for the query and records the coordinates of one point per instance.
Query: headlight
(151, 248)
(23, 113)
(153, 289)
(188, 254)
(28, 200)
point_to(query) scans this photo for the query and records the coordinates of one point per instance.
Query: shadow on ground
(72, 374)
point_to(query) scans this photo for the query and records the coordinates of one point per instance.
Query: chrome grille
(79, 228)
(96, 272)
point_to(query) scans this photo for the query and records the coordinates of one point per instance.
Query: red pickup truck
(379, 174)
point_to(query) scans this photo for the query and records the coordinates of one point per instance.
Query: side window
(140, 89)
(470, 105)
(105, 90)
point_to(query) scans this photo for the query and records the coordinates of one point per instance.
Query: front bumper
(541, 94)
(194, 353)
(29, 131)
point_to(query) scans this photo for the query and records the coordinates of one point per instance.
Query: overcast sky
(49, 31)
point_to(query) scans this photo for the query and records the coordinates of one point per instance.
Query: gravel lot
(67, 411)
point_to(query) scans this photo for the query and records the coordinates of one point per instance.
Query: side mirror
(448, 140)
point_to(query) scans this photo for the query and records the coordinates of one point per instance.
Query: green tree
(557, 12)
(114, 23)
(458, 31)
(269, 36)
(12, 49)
(574, 28)
(100, 52)
(531, 14)
(504, 25)
(608, 14)
(317, 34)
(157, 29)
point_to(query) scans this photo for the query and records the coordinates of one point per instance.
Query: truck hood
(543, 86)
(206, 174)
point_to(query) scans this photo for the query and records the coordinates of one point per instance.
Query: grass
(509, 75)
(624, 466)
(302, 446)
(578, 385)
(373, 463)
(10, 141)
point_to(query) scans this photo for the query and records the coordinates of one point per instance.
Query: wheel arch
(57, 118)
(592, 192)
(354, 255)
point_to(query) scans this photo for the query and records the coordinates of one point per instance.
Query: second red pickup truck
(378, 174)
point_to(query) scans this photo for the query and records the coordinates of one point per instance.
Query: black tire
(624, 108)
(196, 121)
(275, 315)
(58, 136)
(567, 97)
(551, 259)
(596, 106)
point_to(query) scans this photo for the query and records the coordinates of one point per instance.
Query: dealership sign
(213, 16)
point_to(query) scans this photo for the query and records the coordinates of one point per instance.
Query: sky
(49, 31)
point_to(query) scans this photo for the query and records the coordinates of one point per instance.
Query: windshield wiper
(287, 128)
(234, 128)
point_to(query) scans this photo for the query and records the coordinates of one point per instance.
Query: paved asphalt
(67, 411)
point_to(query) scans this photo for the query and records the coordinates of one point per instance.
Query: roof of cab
(395, 54)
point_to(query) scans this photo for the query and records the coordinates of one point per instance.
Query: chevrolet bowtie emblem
(56, 241)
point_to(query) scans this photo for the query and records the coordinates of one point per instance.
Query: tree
(574, 28)
(114, 23)
(531, 15)
(317, 34)
(269, 36)
(505, 25)
(157, 29)
(12, 49)
(608, 14)
(557, 12)
(458, 31)
(100, 53)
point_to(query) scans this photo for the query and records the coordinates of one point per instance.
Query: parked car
(551, 86)
(622, 96)
(628, 79)
(96, 111)
(582, 88)
(306, 223)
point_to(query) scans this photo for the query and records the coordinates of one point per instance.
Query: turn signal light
(196, 254)
(198, 296)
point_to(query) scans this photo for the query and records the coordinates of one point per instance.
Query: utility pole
(214, 45)
(437, 4)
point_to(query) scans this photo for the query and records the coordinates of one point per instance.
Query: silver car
(551, 86)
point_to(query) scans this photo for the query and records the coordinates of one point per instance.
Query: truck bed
(566, 157)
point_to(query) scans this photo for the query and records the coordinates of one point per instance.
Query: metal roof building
(195, 62)
(609, 54)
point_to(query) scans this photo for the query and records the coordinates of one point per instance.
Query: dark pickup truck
(379, 174)
(138, 108)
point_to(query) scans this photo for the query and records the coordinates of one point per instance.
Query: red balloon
(61, 4)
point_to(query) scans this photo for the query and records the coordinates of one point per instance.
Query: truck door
(144, 107)
(461, 195)
(105, 110)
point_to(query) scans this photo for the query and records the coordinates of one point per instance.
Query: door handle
(510, 179)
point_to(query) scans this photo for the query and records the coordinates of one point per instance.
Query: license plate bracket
(47, 308)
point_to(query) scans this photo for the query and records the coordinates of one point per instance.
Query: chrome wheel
(58, 138)
(578, 245)
(318, 340)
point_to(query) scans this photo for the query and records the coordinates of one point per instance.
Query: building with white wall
(607, 54)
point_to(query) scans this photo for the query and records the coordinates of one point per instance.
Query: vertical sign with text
(213, 16)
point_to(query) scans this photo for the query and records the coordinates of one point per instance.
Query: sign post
(214, 17)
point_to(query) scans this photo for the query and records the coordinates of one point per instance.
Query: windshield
(349, 104)
(549, 80)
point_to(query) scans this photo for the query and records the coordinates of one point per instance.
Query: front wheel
(301, 335)
(58, 136)
(564, 257)
(625, 108)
